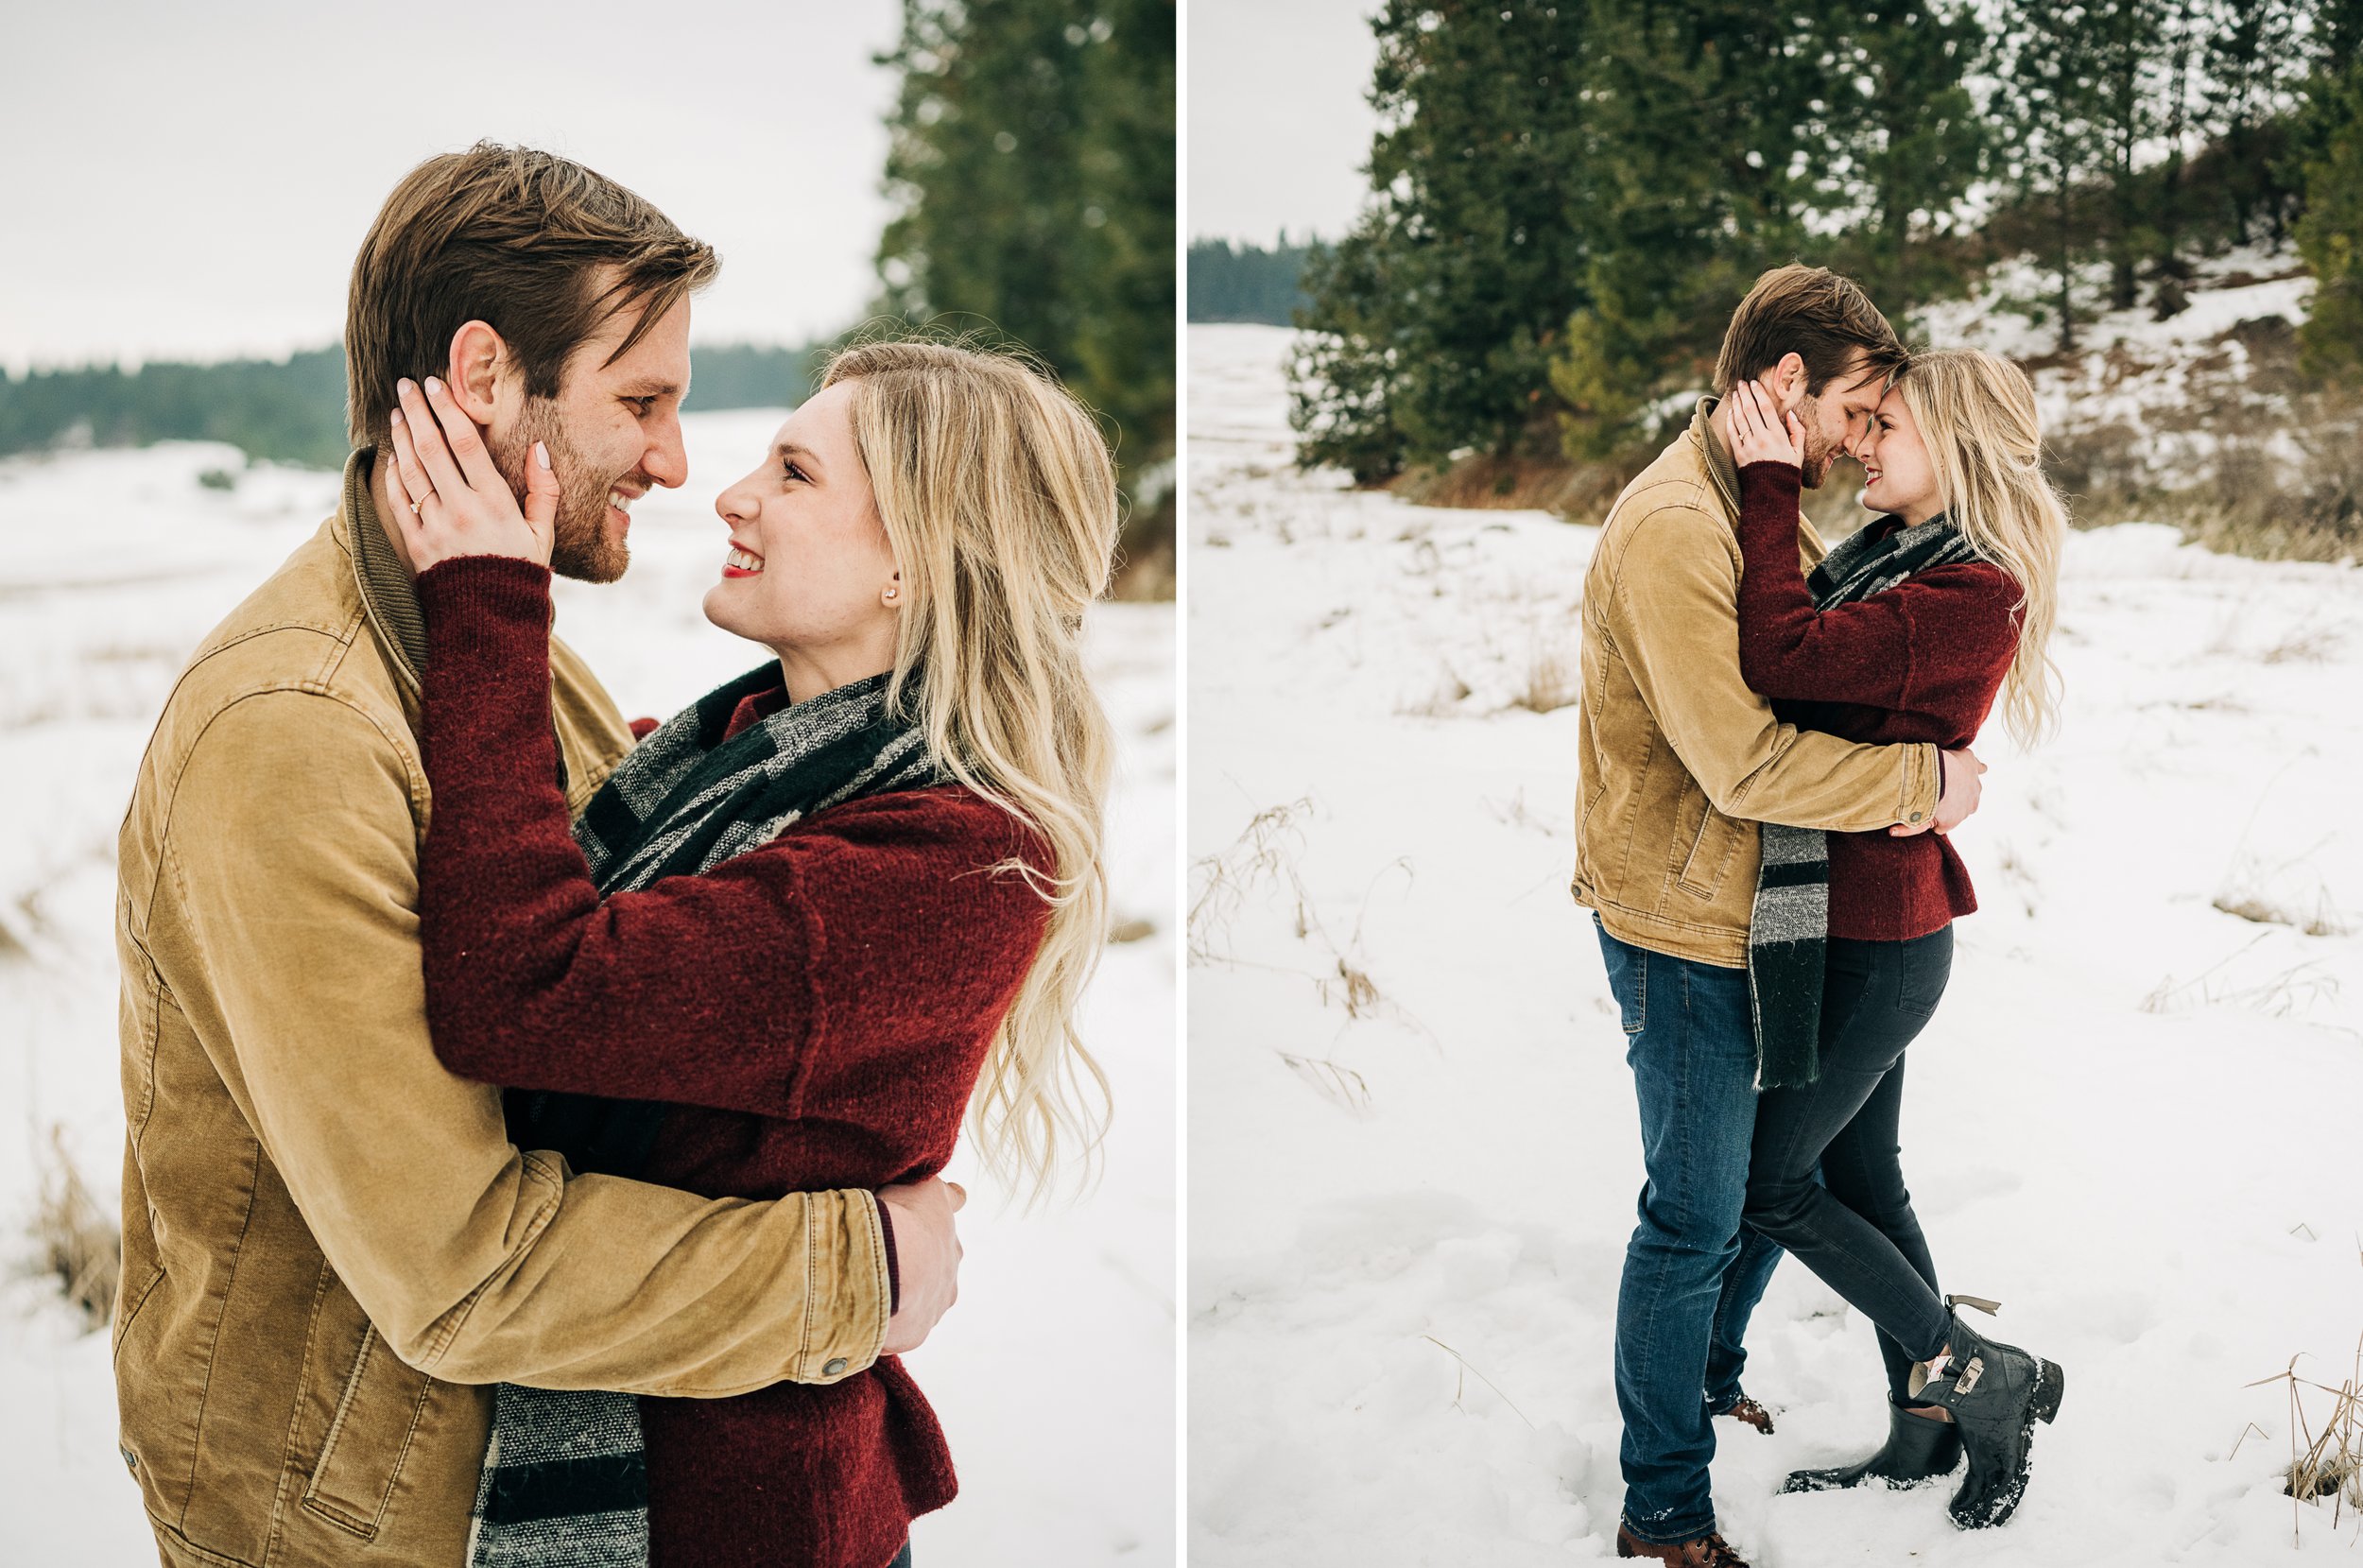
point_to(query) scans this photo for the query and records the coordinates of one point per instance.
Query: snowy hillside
(1413, 1144)
(2148, 402)
(1054, 1377)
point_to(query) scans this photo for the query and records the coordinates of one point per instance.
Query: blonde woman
(811, 920)
(1908, 630)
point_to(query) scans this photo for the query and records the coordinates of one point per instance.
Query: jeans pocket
(1628, 978)
(1927, 968)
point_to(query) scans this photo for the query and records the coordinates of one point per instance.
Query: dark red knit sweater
(816, 1012)
(1921, 662)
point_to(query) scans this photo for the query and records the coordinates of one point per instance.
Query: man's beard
(1816, 466)
(581, 546)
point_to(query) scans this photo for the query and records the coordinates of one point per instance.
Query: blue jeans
(903, 1557)
(1689, 1285)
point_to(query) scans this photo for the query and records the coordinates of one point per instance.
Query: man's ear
(1787, 382)
(478, 368)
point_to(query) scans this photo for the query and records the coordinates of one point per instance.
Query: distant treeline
(1567, 200)
(290, 410)
(1232, 281)
(293, 410)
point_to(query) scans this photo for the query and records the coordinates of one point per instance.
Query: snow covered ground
(1413, 1144)
(1055, 1375)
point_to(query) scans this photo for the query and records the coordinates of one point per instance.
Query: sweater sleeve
(1940, 629)
(721, 990)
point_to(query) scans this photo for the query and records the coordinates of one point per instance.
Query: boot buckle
(1970, 1374)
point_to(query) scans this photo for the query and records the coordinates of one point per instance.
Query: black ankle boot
(1918, 1448)
(1996, 1393)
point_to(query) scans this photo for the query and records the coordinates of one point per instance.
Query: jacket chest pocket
(1710, 854)
(376, 1414)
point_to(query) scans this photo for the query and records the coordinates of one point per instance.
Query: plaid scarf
(565, 1481)
(1789, 932)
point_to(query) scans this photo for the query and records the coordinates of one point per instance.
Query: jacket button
(837, 1365)
(131, 1461)
(1918, 815)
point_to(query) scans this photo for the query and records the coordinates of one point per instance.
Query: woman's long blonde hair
(1976, 416)
(999, 498)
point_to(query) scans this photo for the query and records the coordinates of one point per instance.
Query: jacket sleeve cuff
(848, 1294)
(1923, 780)
(894, 1271)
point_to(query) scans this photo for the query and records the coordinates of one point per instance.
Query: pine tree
(2330, 238)
(1342, 376)
(2182, 36)
(2334, 35)
(2050, 85)
(2329, 229)
(2129, 61)
(2252, 63)
(1907, 142)
(1032, 165)
(1568, 200)
(2332, 44)
(1702, 125)
(1437, 314)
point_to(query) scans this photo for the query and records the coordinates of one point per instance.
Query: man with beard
(1679, 763)
(331, 1246)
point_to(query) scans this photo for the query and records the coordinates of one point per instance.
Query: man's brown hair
(1823, 319)
(514, 237)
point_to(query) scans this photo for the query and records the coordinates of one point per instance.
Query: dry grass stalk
(2325, 1450)
(2247, 891)
(1262, 850)
(2015, 871)
(2324, 921)
(1466, 1372)
(1552, 680)
(2288, 994)
(1264, 853)
(2305, 645)
(77, 1246)
(1331, 1080)
(1441, 700)
(1515, 813)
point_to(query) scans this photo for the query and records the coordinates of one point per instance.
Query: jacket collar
(388, 598)
(1719, 457)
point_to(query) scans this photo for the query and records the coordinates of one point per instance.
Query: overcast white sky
(184, 179)
(1280, 122)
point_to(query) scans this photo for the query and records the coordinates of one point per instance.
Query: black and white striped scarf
(565, 1480)
(1789, 932)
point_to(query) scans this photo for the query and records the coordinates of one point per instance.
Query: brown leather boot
(1748, 1413)
(1708, 1551)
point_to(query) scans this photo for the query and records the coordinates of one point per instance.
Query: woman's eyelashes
(789, 471)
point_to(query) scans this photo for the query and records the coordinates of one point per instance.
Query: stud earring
(892, 593)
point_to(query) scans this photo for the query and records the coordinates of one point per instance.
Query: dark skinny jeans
(1855, 1228)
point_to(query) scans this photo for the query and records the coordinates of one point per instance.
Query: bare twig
(1472, 1372)
(77, 1246)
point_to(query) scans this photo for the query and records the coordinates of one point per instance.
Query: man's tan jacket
(1679, 760)
(329, 1243)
